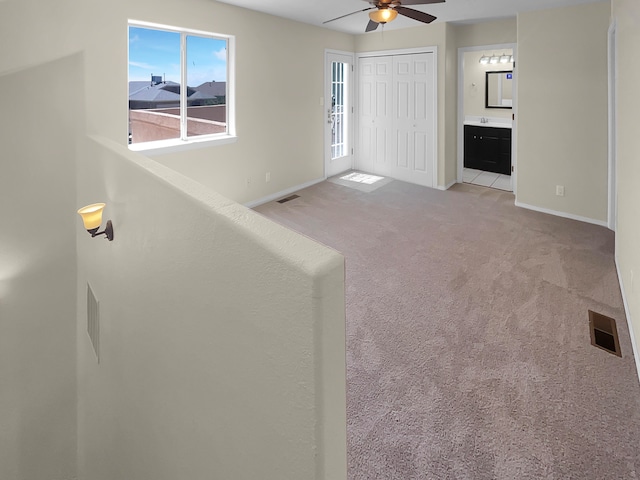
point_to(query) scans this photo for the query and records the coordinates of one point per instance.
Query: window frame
(200, 141)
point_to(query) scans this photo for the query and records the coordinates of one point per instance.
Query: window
(338, 102)
(161, 61)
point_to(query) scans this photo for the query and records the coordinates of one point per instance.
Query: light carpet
(468, 349)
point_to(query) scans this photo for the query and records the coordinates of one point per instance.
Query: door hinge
(351, 109)
(352, 67)
(352, 151)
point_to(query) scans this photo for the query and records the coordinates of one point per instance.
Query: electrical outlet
(560, 190)
(267, 177)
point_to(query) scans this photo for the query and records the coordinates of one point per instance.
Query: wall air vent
(604, 333)
(93, 321)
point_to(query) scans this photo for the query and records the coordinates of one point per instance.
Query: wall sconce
(494, 59)
(92, 219)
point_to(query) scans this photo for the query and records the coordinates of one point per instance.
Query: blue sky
(157, 52)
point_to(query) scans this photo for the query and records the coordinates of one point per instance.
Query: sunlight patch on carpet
(362, 178)
(365, 182)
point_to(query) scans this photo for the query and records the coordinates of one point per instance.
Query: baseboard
(629, 323)
(275, 196)
(563, 214)
(448, 186)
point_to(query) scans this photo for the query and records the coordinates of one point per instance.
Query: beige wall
(494, 32)
(627, 16)
(451, 108)
(222, 335)
(562, 110)
(475, 84)
(38, 268)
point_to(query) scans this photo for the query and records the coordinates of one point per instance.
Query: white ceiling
(315, 12)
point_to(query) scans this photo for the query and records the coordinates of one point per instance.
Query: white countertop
(491, 122)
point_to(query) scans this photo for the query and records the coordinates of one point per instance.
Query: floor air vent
(286, 199)
(604, 333)
(93, 321)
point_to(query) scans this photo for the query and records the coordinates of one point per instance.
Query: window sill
(176, 145)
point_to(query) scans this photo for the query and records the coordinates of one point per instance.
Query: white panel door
(414, 143)
(376, 114)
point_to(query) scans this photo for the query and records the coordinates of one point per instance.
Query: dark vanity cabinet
(488, 149)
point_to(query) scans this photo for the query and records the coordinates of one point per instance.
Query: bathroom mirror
(499, 89)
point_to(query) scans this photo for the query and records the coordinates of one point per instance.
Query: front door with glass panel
(338, 113)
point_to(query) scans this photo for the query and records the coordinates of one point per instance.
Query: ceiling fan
(384, 11)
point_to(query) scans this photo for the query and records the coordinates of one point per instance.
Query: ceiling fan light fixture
(383, 15)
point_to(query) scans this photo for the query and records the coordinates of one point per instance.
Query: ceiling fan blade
(371, 26)
(349, 14)
(415, 14)
(420, 2)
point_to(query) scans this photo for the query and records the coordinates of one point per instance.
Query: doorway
(486, 118)
(338, 103)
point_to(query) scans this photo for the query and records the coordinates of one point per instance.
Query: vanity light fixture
(383, 15)
(511, 59)
(484, 59)
(494, 59)
(505, 58)
(92, 219)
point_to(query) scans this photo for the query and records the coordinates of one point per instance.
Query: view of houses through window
(160, 62)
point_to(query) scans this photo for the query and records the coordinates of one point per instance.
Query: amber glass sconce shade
(92, 219)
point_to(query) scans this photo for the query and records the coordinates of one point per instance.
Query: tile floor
(487, 179)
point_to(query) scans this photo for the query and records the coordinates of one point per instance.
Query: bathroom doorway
(486, 116)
